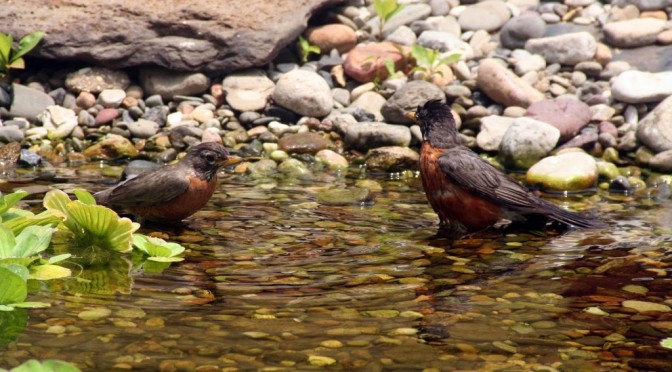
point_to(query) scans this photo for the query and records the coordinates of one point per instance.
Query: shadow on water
(274, 279)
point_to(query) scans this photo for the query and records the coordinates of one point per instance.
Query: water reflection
(274, 279)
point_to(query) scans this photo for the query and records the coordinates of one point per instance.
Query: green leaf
(13, 288)
(6, 308)
(30, 305)
(49, 365)
(386, 8)
(22, 261)
(58, 200)
(27, 43)
(389, 65)
(450, 59)
(165, 259)
(17, 269)
(48, 218)
(5, 48)
(156, 247)
(420, 54)
(17, 64)
(48, 272)
(12, 324)
(32, 240)
(59, 258)
(666, 343)
(7, 242)
(84, 196)
(102, 226)
(8, 201)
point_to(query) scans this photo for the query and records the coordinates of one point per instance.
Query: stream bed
(276, 279)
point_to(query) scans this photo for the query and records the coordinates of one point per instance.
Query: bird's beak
(231, 159)
(411, 115)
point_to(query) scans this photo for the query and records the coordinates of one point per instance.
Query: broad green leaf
(17, 269)
(17, 64)
(5, 48)
(49, 365)
(23, 261)
(156, 247)
(30, 305)
(386, 8)
(59, 258)
(13, 213)
(32, 240)
(84, 196)
(7, 201)
(154, 267)
(666, 343)
(58, 200)
(48, 218)
(103, 226)
(7, 242)
(165, 259)
(13, 287)
(6, 308)
(48, 272)
(27, 43)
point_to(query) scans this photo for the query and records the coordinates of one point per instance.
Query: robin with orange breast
(467, 192)
(173, 192)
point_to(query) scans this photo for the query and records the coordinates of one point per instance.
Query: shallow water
(274, 280)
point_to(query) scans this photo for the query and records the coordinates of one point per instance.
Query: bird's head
(208, 157)
(437, 123)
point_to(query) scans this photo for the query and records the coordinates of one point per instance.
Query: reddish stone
(334, 36)
(569, 115)
(367, 61)
(106, 115)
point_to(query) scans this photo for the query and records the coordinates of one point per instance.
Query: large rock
(526, 142)
(566, 49)
(304, 92)
(569, 171)
(28, 102)
(182, 35)
(503, 86)
(641, 86)
(408, 98)
(569, 115)
(655, 129)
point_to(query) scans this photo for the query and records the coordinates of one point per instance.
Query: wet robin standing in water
(467, 192)
(173, 192)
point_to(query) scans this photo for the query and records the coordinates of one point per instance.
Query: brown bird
(466, 191)
(173, 192)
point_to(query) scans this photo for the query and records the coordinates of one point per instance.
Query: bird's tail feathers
(559, 214)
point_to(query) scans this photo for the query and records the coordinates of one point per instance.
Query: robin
(173, 192)
(466, 191)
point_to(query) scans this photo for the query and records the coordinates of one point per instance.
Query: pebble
(567, 49)
(168, 84)
(28, 103)
(248, 90)
(111, 97)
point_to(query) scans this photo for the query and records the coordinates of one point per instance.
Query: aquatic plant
(25, 248)
(92, 225)
(11, 57)
(158, 249)
(18, 219)
(49, 365)
(428, 60)
(385, 10)
(14, 289)
(306, 49)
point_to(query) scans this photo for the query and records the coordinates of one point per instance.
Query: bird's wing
(465, 168)
(149, 188)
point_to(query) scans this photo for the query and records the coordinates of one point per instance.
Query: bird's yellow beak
(232, 159)
(411, 115)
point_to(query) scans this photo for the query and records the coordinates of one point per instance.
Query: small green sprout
(307, 49)
(428, 60)
(12, 58)
(385, 10)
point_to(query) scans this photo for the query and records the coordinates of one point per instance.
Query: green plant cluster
(65, 228)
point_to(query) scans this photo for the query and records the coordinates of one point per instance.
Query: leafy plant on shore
(428, 60)
(11, 57)
(386, 9)
(306, 49)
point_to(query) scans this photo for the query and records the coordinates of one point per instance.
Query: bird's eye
(210, 158)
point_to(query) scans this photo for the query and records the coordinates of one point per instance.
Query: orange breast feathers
(452, 203)
(196, 197)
